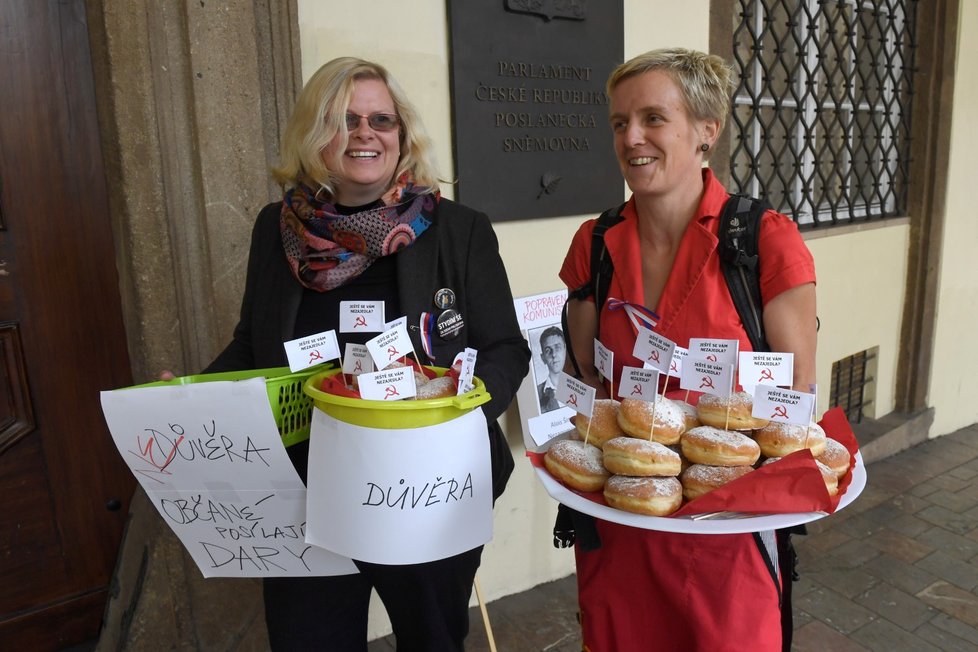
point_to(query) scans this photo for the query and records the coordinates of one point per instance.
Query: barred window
(821, 115)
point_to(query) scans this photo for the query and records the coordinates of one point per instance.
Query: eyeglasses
(377, 121)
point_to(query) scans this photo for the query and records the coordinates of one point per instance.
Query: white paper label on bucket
(402, 496)
(312, 350)
(357, 360)
(785, 405)
(390, 346)
(466, 375)
(362, 316)
(388, 385)
(399, 322)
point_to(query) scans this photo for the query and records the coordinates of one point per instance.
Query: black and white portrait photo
(549, 352)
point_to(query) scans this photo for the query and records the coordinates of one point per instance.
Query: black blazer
(458, 251)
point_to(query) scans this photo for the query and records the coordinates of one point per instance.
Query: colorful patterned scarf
(326, 249)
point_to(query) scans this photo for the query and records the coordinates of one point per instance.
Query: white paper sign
(312, 350)
(388, 385)
(604, 360)
(721, 351)
(575, 394)
(389, 347)
(212, 462)
(189, 437)
(467, 371)
(381, 496)
(362, 316)
(639, 383)
(548, 425)
(653, 350)
(777, 404)
(247, 533)
(700, 375)
(357, 360)
(676, 365)
(758, 368)
(540, 309)
(399, 322)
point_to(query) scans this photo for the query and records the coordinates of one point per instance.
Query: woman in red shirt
(644, 589)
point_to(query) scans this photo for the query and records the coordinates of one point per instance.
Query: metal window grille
(851, 378)
(821, 115)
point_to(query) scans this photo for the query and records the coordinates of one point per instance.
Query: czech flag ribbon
(640, 316)
(427, 324)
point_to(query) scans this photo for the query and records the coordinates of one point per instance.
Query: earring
(704, 147)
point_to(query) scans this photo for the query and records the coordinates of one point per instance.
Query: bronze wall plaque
(530, 111)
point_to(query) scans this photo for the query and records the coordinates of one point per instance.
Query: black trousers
(428, 605)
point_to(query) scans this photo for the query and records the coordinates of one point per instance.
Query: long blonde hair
(320, 114)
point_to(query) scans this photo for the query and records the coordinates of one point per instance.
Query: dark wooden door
(64, 490)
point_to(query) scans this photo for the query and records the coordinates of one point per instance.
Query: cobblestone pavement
(895, 571)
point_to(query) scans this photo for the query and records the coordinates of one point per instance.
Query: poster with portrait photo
(543, 418)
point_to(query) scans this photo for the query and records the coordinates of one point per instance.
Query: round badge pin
(444, 299)
(448, 324)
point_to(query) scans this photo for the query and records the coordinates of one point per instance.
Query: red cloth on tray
(792, 484)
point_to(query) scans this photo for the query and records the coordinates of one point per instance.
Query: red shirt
(695, 301)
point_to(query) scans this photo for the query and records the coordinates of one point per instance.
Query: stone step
(893, 433)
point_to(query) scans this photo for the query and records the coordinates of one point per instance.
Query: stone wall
(193, 97)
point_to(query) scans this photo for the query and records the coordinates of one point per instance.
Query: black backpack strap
(788, 566)
(602, 269)
(740, 228)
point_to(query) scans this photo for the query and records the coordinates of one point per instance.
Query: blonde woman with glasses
(361, 219)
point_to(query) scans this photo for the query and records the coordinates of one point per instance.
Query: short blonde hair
(705, 80)
(320, 114)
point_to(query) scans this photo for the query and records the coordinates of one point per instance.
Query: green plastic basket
(291, 407)
(394, 414)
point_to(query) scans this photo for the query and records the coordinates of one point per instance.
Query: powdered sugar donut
(836, 457)
(708, 445)
(700, 479)
(830, 478)
(603, 423)
(635, 418)
(689, 414)
(778, 439)
(729, 412)
(576, 464)
(640, 457)
(439, 387)
(650, 496)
